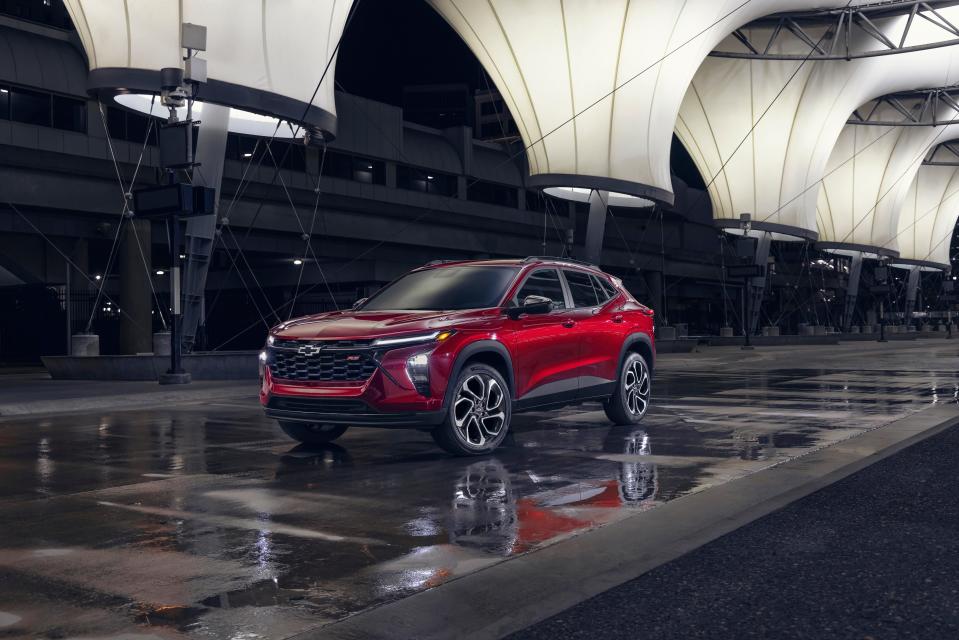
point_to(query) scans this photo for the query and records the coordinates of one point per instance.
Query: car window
(542, 282)
(581, 288)
(603, 288)
(445, 288)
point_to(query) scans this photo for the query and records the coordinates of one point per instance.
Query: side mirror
(358, 303)
(532, 305)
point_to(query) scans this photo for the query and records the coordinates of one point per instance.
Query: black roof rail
(558, 259)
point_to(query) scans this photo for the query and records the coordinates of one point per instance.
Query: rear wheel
(479, 412)
(312, 432)
(629, 403)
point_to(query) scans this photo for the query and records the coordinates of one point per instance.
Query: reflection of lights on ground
(423, 527)
(45, 464)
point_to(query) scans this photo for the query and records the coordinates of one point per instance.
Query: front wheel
(629, 403)
(479, 413)
(312, 432)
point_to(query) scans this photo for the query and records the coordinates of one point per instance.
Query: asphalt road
(874, 556)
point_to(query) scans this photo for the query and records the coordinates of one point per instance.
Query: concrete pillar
(654, 284)
(757, 286)
(136, 321)
(596, 226)
(912, 289)
(852, 290)
(210, 150)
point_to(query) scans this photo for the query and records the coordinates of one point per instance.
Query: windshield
(444, 288)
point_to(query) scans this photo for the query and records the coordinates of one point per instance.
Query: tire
(630, 401)
(311, 432)
(479, 413)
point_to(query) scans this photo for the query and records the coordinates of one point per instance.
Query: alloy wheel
(636, 387)
(478, 410)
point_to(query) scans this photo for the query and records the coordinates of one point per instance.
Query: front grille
(321, 361)
(318, 405)
(332, 344)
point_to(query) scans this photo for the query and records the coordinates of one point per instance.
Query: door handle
(617, 319)
(569, 324)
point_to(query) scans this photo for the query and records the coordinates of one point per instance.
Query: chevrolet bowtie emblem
(309, 350)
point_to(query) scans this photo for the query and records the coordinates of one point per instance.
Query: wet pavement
(203, 520)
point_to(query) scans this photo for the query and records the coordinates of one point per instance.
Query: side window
(542, 282)
(581, 288)
(603, 288)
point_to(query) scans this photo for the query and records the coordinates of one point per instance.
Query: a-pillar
(757, 285)
(912, 289)
(136, 321)
(596, 226)
(852, 290)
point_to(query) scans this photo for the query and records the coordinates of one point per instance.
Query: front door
(544, 346)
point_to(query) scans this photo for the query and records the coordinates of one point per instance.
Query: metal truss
(944, 154)
(766, 38)
(918, 108)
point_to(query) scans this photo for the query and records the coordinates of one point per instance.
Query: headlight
(418, 371)
(270, 340)
(401, 341)
(262, 363)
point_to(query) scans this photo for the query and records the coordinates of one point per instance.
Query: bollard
(725, 332)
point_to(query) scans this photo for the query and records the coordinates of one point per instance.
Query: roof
(513, 262)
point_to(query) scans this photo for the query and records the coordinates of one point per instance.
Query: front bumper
(387, 398)
(354, 413)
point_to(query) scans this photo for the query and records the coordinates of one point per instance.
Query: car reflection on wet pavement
(204, 520)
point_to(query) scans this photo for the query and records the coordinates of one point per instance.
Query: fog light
(418, 371)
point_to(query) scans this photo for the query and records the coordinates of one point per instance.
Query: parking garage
(762, 191)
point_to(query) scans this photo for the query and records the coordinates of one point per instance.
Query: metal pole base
(175, 378)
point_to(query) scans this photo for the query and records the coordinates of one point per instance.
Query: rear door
(598, 329)
(544, 346)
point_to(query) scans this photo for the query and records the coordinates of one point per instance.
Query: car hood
(343, 325)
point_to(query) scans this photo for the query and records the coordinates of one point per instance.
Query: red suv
(456, 347)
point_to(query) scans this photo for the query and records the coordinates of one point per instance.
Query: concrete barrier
(772, 341)
(807, 330)
(819, 330)
(85, 345)
(666, 333)
(867, 328)
(854, 329)
(771, 331)
(220, 365)
(725, 332)
(161, 343)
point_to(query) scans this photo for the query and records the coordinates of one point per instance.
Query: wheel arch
(642, 344)
(489, 352)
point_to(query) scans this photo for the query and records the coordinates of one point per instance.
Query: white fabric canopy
(595, 87)
(860, 199)
(277, 49)
(774, 172)
(928, 217)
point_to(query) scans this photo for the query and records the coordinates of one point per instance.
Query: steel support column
(200, 231)
(852, 291)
